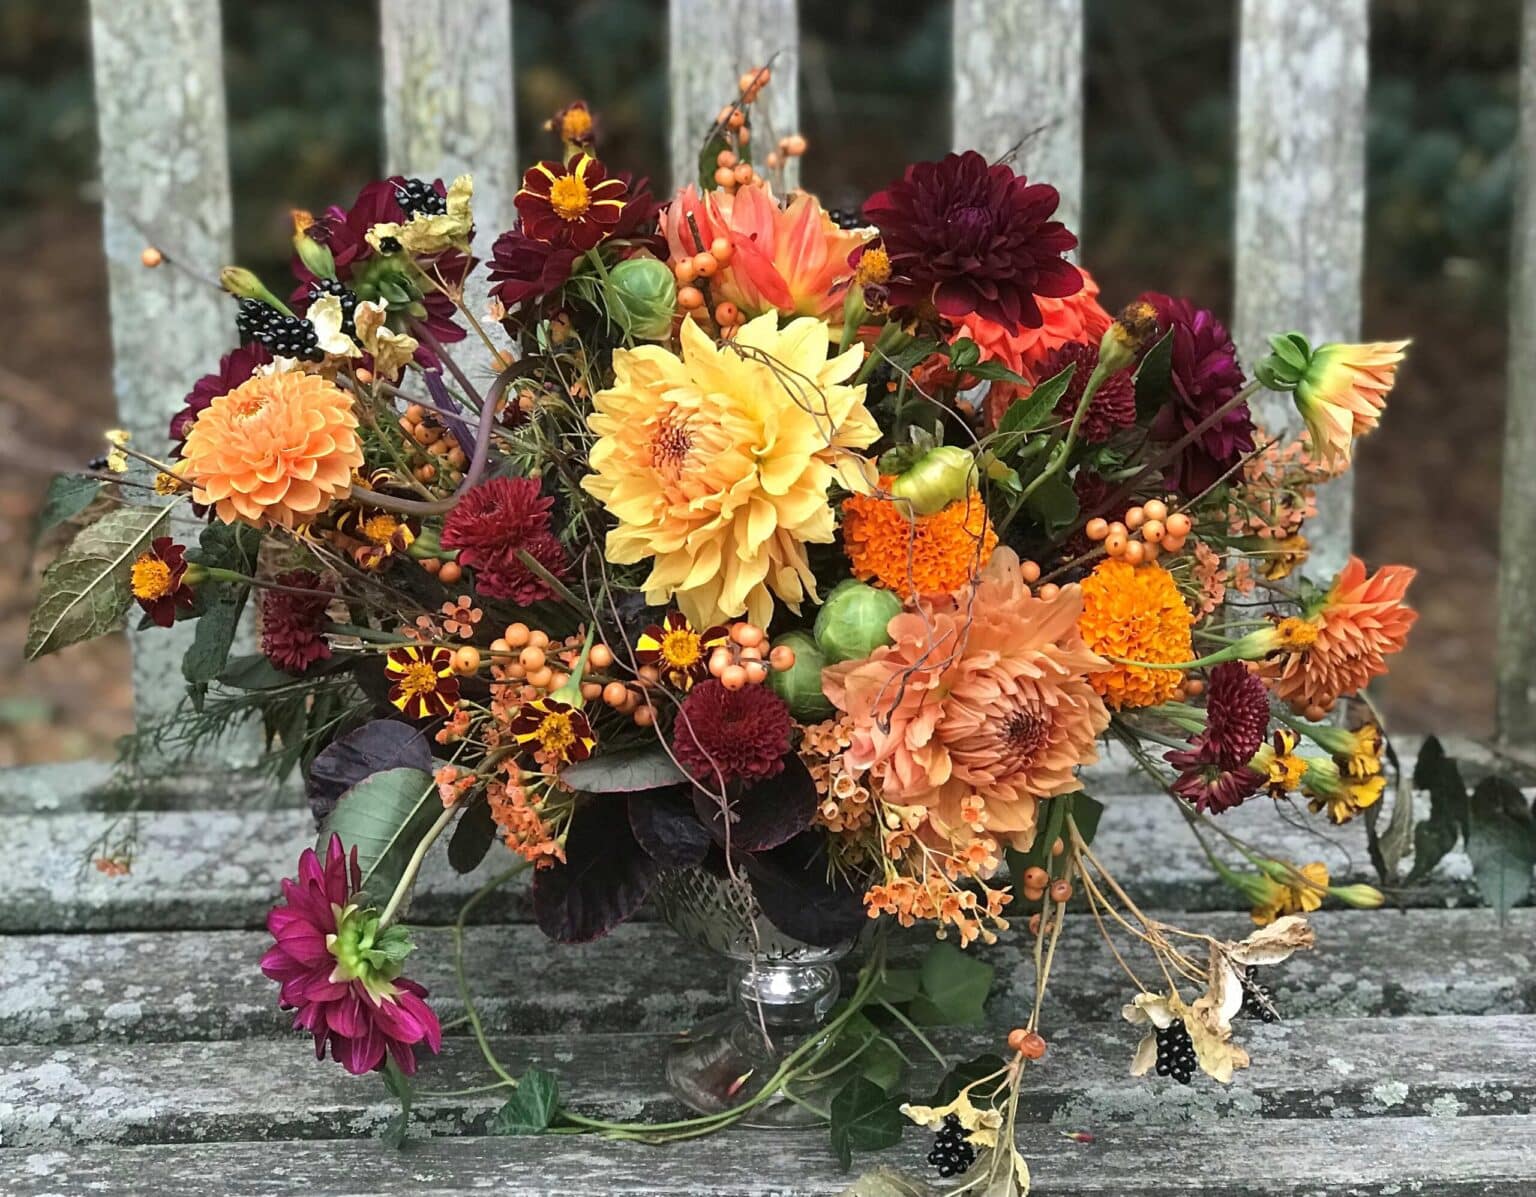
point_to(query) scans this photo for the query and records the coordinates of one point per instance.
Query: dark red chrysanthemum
(1236, 713)
(731, 734)
(969, 237)
(1207, 783)
(491, 524)
(1204, 376)
(292, 625)
(235, 367)
(341, 971)
(157, 581)
(1114, 403)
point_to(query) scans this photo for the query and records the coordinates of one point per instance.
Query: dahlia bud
(852, 623)
(642, 293)
(317, 258)
(942, 476)
(1361, 896)
(242, 284)
(1124, 339)
(800, 685)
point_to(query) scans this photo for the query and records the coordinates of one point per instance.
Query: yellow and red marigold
(422, 681)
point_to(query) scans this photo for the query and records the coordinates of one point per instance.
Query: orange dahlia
(929, 555)
(275, 450)
(1358, 623)
(977, 708)
(1135, 613)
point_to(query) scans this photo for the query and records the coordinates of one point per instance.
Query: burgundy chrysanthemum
(1208, 784)
(1204, 376)
(735, 734)
(1213, 770)
(341, 972)
(235, 367)
(1114, 403)
(491, 524)
(292, 624)
(973, 238)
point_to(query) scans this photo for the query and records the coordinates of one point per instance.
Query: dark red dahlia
(1114, 403)
(969, 237)
(731, 735)
(523, 268)
(340, 969)
(1236, 713)
(488, 527)
(1208, 784)
(158, 581)
(235, 367)
(1204, 376)
(293, 625)
(573, 203)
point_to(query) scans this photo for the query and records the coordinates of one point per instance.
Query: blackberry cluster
(1257, 1000)
(419, 198)
(1176, 1052)
(847, 218)
(329, 286)
(285, 336)
(951, 1154)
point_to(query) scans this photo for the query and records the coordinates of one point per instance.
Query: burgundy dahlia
(235, 367)
(731, 734)
(1204, 376)
(491, 524)
(1236, 713)
(341, 971)
(292, 625)
(1206, 783)
(1114, 403)
(969, 237)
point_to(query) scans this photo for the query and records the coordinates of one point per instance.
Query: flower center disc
(151, 579)
(419, 678)
(681, 649)
(568, 197)
(556, 734)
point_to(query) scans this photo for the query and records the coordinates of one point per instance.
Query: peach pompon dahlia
(716, 464)
(979, 706)
(1135, 613)
(276, 450)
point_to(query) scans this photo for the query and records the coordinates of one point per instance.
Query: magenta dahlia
(969, 237)
(491, 524)
(293, 625)
(1114, 403)
(731, 734)
(235, 367)
(1204, 376)
(340, 970)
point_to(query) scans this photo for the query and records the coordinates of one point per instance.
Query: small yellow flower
(1293, 894)
(117, 460)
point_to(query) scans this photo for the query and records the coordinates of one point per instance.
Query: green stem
(549, 579)
(912, 1029)
(458, 968)
(1062, 454)
(413, 866)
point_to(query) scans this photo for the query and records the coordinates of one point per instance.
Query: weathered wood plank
(1300, 237)
(1460, 1157)
(709, 44)
(200, 1092)
(1517, 521)
(157, 986)
(1018, 72)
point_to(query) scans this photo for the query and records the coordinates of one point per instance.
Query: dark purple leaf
(472, 836)
(667, 828)
(605, 878)
(797, 895)
(372, 748)
(763, 815)
(624, 771)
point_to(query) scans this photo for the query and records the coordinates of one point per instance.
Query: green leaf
(624, 772)
(897, 986)
(254, 672)
(864, 1117)
(228, 546)
(1054, 504)
(67, 496)
(1154, 377)
(963, 353)
(1449, 808)
(995, 372)
(1086, 813)
(384, 816)
(532, 1107)
(399, 1086)
(708, 164)
(1052, 829)
(214, 633)
(913, 351)
(85, 592)
(1501, 843)
(882, 1063)
(1030, 412)
(954, 987)
(962, 1074)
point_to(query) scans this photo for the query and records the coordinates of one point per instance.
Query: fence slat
(159, 83)
(1018, 82)
(1300, 237)
(449, 107)
(709, 44)
(1517, 527)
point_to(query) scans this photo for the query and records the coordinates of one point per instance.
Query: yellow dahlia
(716, 464)
(1135, 613)
(275, 450)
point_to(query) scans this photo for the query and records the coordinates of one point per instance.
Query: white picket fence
(1018, 68)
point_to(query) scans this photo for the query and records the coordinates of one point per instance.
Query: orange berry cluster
(438, 452)
(449, 573)
(731, 171)
(741, 662)
(530, 656)
(1159, 532)
(693, 275)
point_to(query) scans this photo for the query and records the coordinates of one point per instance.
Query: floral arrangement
(819, 549)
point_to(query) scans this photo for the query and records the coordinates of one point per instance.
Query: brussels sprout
(852, 621)
(642, 295)
(800, 685)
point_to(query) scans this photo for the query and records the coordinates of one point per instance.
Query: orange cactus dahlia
(978, 708)
(1135, 613)
(276, 450)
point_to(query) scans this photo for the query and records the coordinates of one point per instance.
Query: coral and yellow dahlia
(1340, 390)
(276, 450)
(927, 555)
(716, 464)
(1135, 613)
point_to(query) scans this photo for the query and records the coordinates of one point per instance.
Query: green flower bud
(800, 685)
(940, 477)
(1361, 897)
(317, 258)
(243, 284)
(642, 294)
(852, 622)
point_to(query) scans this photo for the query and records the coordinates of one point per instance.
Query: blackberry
(1175, 1052)
(329, 286)
(847, 218)
(285, 336)
(951, 1154)
(1257, 1000)
(419, 198)
(389, 245)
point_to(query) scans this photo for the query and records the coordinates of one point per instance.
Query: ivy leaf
(67, 496)
(1501, 844)
(954, 987)
(473, 836)
(897, 986)
(864, 1117)
(384, 817)
(532, 1107)
(624, 772)
(85, 592)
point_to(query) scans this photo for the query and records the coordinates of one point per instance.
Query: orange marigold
(1135, 612)
(275, 450)
(930, 555)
